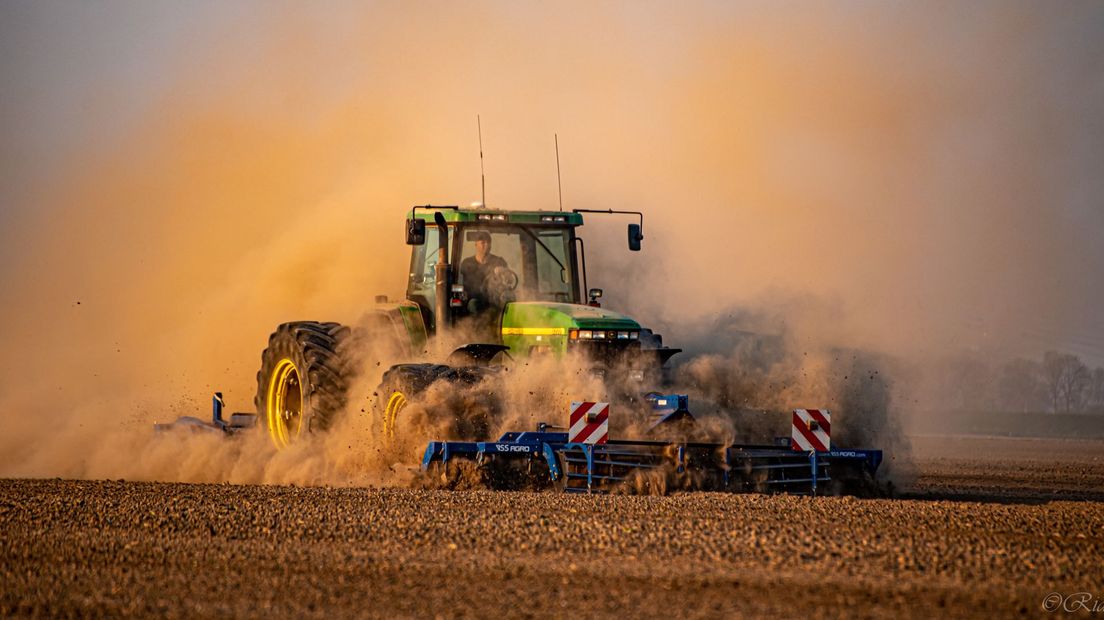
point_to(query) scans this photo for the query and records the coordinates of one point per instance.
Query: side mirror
(635, 237)
(415, 232)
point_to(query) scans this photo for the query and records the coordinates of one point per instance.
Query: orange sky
(913, 179)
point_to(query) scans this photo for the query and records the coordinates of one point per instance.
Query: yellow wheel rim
(395, 404)
(284, 404)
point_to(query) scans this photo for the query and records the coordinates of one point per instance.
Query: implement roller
(560, 459)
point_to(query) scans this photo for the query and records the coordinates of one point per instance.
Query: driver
(477, 268)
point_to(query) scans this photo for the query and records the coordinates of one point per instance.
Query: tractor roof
(493, 216)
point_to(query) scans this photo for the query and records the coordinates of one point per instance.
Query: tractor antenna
(559, 184)
(482, 175)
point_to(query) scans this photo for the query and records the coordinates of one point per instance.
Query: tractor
(483, 284)
(489, 288)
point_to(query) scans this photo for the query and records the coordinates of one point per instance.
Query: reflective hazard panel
(589, 423)
(812, 430)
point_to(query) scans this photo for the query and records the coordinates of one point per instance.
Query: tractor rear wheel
(303, 381)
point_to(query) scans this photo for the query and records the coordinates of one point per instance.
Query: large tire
(406, 383)
(303, 381)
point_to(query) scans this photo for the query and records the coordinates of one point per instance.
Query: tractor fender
(399, 325)
(475, 354)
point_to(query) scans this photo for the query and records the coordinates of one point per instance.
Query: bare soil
(1007, 469)
(1034, 525)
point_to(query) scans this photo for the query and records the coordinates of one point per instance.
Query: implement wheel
(303, 379)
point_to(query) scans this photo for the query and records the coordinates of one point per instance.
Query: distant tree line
(1059, 382)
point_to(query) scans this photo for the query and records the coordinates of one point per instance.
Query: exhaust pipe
(441, 271)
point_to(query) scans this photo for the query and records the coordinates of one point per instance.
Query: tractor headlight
(601, 334)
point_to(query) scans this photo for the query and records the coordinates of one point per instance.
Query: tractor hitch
(237, 422)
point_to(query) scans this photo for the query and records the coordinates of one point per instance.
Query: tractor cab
(523, 259)
(516, 279)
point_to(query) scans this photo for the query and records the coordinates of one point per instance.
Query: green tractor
(482, 284)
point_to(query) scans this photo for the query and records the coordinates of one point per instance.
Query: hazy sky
(80, 72)
(934, 169)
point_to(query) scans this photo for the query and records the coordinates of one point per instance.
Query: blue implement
(653, 465)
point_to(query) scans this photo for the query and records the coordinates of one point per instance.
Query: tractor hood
(532, 326)
(544, 318)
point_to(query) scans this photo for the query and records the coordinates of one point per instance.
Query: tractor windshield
(540, 256)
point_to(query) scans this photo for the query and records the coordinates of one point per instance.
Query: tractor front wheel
(465, 407)
(400, 385)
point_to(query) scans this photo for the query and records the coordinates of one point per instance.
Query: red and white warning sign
(589, 423)
(812, 430)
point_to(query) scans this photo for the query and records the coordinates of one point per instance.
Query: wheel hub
(284, 403)
(395, 404)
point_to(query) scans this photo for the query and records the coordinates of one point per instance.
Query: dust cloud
(832, 199)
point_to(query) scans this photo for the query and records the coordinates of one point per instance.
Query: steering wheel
(500, 285)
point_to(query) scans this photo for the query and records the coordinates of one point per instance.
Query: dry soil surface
(117, 548)
(1006, 469)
